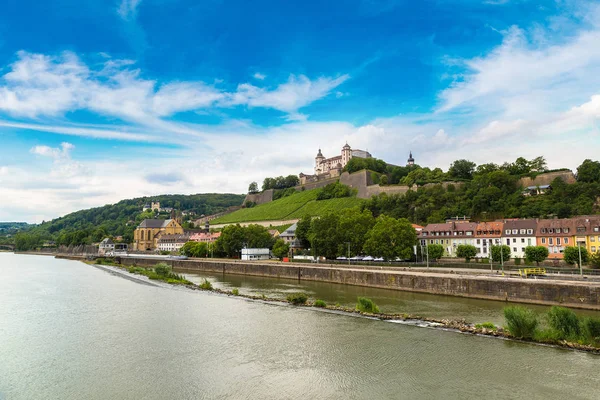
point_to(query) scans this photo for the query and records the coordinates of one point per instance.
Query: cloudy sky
(102, 100)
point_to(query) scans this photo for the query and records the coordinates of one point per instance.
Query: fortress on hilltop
(328, 165)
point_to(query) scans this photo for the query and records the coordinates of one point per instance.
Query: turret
(318, 160)
(346, 154)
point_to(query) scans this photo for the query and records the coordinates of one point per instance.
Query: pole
(491, 254)
(580, 269)
(427, 248)
(348, 253)
(502, 256)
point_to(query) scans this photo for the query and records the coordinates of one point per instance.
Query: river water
(71, 331)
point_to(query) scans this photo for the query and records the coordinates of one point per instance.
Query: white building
(324, 165)
(172, 243)
(106, 246)
(255, 254)
(519, 234)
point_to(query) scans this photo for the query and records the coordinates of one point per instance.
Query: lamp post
(348, 243)
(580, 269)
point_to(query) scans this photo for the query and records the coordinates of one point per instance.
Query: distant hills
(12, 227)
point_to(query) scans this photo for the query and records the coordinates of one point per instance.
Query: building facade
(555, 234)
(172, 243)
(328, 165)
(106, 246)
(450, 235)
(205, 237)
(587, 232)
(518, 234)
(488, 234)
(146, 235)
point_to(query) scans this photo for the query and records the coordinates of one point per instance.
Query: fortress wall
(376, 190)
(260, 198)
(546, 179)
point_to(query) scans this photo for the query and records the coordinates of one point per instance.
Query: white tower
(318, 161)
(346, 154)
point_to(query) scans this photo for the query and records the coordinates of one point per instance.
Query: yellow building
(587, 232)
(146, 235)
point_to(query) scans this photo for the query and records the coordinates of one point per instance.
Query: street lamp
(348, 243)
(580, 269)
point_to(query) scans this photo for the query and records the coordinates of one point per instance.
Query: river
(72, 331)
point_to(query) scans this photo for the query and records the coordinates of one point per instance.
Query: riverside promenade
(571, 291)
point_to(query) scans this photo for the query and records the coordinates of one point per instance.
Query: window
(514, 240)
(543, 230)
(550, 241)
(508, 242)
(522, 231)
(485, 250)
(543, 240)
(523, 249)
(515, 231)
(528, 242)
(522, 240)
(593, 249)
(507, 231)
(550, 250)
(566, 241)
(566, 230)
(580, 229)
(557, 230)
(530, 231)
(430, 241)
(142, 235)
(514, 249)
(470, 233)
(478, 241)
(550, 230)
(557, 240)
(592, 239)
(596, 229)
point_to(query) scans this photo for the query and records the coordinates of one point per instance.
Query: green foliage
(564, 322)
(521, 322)
(26, 241)
(353, 226)
(297, 298)
(162, 269)
(235, 291)
(335, 191)
(390, 238)
(303, 230)
(462, 169)
(253, 188)
(595, 260)
(466, 251)
(435, 251)
(195, 249)
(536, 254)
(234, 237)
(249, 204)
(517, 261)
(486, 325)
(571, 255)
(590, 329)
(320, 303)
(206, 285)
(160, 272)
(323, 235)
(278, 194)
(358, 164)
(500, 253)
(589, 171)
(281, 248)
(367, 305)
(280, 182)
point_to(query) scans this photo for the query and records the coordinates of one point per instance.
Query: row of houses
(167, 235)
(554, 234)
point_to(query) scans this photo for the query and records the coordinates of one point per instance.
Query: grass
(235, 292)
(320, 303)
(160, 272)
(292, 207)
(521, 322)
(297, 298)
(564, 322)
(486, 325)
(367, 305)
(206, 285)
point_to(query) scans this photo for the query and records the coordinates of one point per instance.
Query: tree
(462, 169)
(588, 171)
(571, 255)
(281, 248)
(536, 253)
(303, 231)
(595, 260)
(390, 238)
(435, 251)
(194, 249)
(258, 237)
(466, 251)
(383, 180)
(232, 240)
(353, 226)
(324, 235)
(253, 188)
(500, 253)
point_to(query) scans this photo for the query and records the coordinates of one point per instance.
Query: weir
(576, 294)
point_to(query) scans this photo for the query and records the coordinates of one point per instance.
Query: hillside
(291, 207)
(88, 226)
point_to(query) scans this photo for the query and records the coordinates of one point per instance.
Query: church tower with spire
(411, 160)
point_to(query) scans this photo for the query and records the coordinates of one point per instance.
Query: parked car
(342, 258)
(378, 259)
(368, 258)
(356, 258)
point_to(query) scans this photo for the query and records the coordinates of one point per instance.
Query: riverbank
(461, 326)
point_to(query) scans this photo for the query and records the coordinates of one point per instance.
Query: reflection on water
(71, 331)
(390, 301)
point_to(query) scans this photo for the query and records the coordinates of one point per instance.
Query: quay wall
(535, 291)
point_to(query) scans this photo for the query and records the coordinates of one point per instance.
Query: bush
(162, 269)
(297, 298)
(521, 322)
(206, 285)
(595, 260)
(235, 292)
(564, 322)
(591, 329)
(517, 261)
(486, 325)
(366, 305)
(320, 303)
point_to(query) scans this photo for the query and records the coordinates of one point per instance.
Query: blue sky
(105, 100)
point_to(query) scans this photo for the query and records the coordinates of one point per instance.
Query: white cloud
(128, 9)
(57, 153)
(259, 76)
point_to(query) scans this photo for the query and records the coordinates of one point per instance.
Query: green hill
(291, 207)
(120, 219)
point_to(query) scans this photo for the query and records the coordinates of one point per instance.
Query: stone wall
(376, 190)
(547, 178)
(260, 198)
(536, 291)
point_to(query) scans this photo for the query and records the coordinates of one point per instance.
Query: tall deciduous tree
(571, 255)
(390, 238)
(281, 248)
(253, 188)
(435, 251)
(303, 231)
(500, 253)
(462, 169)
(232, 240)
(353, 226)
(536, 254)
(324, 235)
(588, 171)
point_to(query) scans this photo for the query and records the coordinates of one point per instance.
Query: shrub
(320, 303)
(521, 322)
(99, 260)
(564, 322)
(235, 292)
(297, 298)
(162, 269)
(591, 329)
(595, 260)
(366, 305)
(486, 325)
(206, 285)
(131, 270)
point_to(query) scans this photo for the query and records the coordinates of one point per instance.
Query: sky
(103, 100)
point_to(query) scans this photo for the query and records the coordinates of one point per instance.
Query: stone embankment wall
(546, 179)
(260, 198)
(535, 291)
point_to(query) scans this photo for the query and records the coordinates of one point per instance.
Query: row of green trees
(280, 182)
